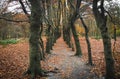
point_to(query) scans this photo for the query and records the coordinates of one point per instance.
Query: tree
(50, 24)
(73, 18)
(87, 41)
(66, 25)
(113, 9)
(81, 12)
(101, 19)
(35, 21)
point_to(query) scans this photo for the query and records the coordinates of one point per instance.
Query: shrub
(8, 41)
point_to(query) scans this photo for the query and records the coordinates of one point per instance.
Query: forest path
(68, 65)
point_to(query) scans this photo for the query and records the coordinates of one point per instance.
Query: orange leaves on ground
(98, 56)
(14, 59)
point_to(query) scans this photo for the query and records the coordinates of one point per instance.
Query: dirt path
(69, 66)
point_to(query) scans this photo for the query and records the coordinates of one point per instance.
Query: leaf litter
(14, 60)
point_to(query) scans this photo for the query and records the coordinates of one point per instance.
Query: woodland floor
(14, 61)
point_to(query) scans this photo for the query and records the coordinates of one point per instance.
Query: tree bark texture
(75, 36)
(87, 41)
(34, 63)
(101, 20)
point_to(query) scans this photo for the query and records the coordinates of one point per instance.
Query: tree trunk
(108, 53)
(50, 25)
(67, 25)
(87, 41)
(101, 20)
(76, 39)
(34, 64)
(73, 16)
(48, 47)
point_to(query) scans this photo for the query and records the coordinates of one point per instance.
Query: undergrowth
(8, 41)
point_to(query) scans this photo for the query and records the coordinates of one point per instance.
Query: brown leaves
(98, 56)
(14, 60)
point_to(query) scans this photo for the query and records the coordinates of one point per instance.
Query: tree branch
(102, 8)
(84, 25)
(95, 7)
(11, 20)
(71, 4)
(111, 18)
(24, 9)
(78, 6)
(5, 6)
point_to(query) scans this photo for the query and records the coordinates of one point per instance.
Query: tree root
(79, 55)
(41, 73)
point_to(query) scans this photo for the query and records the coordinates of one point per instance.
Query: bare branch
(5, 6)
(71, 4)
(111, 18)
(24, 9)
(11, 20)
(78, 6)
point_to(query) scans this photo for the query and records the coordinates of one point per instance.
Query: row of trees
(59, 20)
(101, 20)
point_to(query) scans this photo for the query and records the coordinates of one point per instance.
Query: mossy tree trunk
(101, 20)
(34, 63)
